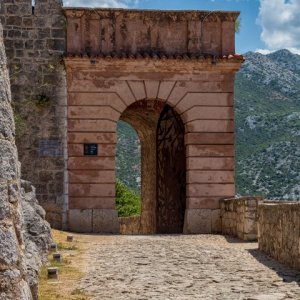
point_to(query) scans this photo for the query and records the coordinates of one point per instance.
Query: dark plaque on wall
(91, 149)
(50, 148)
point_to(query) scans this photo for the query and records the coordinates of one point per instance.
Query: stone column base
(93, 220)
(199, 221)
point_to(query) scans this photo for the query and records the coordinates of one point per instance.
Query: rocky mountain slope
(267, 98)
(267, 106)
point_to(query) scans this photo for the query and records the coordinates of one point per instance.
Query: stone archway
(117, 58)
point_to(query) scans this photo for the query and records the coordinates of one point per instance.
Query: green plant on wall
(15, 69)
(39, 97)
(20, 124)
(39, 101)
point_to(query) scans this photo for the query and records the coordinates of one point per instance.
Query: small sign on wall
(50, 148)
(90, 149)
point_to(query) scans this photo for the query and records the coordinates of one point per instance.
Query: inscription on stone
(50, 148)
(91, 149)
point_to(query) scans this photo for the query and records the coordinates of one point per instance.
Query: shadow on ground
(286, 273)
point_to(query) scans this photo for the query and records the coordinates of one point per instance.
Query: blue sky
(266, 25)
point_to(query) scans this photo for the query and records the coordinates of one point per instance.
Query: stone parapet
(239, 217)
(279, 231)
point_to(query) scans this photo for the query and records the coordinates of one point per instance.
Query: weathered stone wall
(35, 41)
(279, 231)
(13, 280)
(239, 217)
(24, 234)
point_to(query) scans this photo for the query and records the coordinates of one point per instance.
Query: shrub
(128, 202)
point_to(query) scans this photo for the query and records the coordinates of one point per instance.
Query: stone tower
(34, 37)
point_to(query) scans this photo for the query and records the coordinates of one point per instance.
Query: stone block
(197, 221)
(91, 163)
(208, 113)
(210, 126)
(92, 202)
(93, 112)
(92, 190)
(91, 176)
(207, 176)
(138, 89)
(105, 221)
(91, 137)
(210, 150)
(213, 138)
(200, 190)
(101, 99)
(165, 89)
(103, 150)
(210, 163)
(203, 202)
(80, 220)
(92, 126)
(151, 87)
(216, 226)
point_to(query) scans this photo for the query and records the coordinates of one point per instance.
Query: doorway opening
(171, 173)
(162, 165)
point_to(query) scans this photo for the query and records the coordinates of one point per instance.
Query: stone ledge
(93, 221)
(239, 217)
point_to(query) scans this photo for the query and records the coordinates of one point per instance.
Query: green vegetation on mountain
(267, 111)
(128, 157)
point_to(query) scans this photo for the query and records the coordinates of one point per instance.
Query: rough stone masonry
(34, 40)
(24, 234)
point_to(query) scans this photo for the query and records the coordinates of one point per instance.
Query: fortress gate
(170, 74)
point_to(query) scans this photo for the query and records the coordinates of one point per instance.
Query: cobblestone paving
(184, 267)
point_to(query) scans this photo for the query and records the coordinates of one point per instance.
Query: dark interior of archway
(171, 173)
(161, 134)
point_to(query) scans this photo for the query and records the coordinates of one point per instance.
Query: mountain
(128, 157)
(267, 112)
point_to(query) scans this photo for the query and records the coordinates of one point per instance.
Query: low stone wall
(279, 231)
(130, 225)
(239, 217)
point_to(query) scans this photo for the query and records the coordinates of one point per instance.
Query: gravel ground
(184, 267)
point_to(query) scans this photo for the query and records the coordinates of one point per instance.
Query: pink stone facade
(183, 59)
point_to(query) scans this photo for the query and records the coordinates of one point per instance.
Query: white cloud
(268, 51)
(280, 24)
(263, 51)
(100, 3)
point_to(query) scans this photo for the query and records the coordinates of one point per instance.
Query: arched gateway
(170, 74)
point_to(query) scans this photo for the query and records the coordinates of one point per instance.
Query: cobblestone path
(184, 267)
